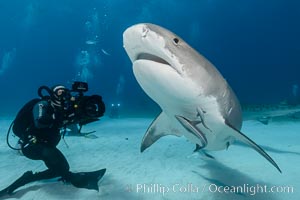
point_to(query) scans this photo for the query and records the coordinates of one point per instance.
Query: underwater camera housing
(82, 109)
(79, 86)
(78, 108)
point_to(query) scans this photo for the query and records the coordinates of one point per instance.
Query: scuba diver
(39, 125)
(115, 110)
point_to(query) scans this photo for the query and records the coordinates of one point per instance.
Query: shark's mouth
(156, 59)
(151, 57)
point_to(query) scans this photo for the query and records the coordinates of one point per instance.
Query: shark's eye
(176, 41)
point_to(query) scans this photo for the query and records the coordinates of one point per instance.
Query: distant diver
(115, 110)
(39, 125)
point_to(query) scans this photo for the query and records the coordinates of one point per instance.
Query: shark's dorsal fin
(191, 127)
(159, 127)
(243, 138)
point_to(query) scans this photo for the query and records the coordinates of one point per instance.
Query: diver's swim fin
(27, 177)
(88, 180)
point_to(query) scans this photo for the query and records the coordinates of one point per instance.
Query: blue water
(255, 44)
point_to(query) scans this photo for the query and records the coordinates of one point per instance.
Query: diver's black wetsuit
(43, 135)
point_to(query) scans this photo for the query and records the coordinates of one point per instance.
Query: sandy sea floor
(168, 169)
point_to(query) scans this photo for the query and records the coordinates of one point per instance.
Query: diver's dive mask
(59, 96)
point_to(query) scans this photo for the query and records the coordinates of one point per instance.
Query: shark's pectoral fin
(160, 127)
(191, 127)
(243, 138)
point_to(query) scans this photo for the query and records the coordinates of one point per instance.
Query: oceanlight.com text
(250, 189)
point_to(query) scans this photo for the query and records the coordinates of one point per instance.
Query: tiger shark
(195, 99)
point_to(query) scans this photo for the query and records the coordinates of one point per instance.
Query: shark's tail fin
(243, 138)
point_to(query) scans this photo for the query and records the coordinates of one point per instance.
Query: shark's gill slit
(147, 56)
